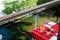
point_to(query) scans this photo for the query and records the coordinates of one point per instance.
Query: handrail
(20, 13)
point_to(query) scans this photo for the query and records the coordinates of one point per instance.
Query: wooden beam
(20, 13)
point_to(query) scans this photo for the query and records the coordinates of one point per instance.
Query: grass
(23, 28)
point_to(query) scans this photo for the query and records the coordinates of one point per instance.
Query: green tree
(17, 5)
(56, 8)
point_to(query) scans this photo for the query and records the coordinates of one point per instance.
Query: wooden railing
(38, 8)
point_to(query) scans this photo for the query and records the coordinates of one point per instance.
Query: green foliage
(56, 8)
(43, 1)
(17, 5)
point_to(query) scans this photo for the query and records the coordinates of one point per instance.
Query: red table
(43, 36)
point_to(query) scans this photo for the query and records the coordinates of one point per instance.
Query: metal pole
(36, 20)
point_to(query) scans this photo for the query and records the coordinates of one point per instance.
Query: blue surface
(6, 33)
(31, 38)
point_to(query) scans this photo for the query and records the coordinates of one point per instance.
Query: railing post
(36, 20)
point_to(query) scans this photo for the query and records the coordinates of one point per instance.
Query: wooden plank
(20, 13)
